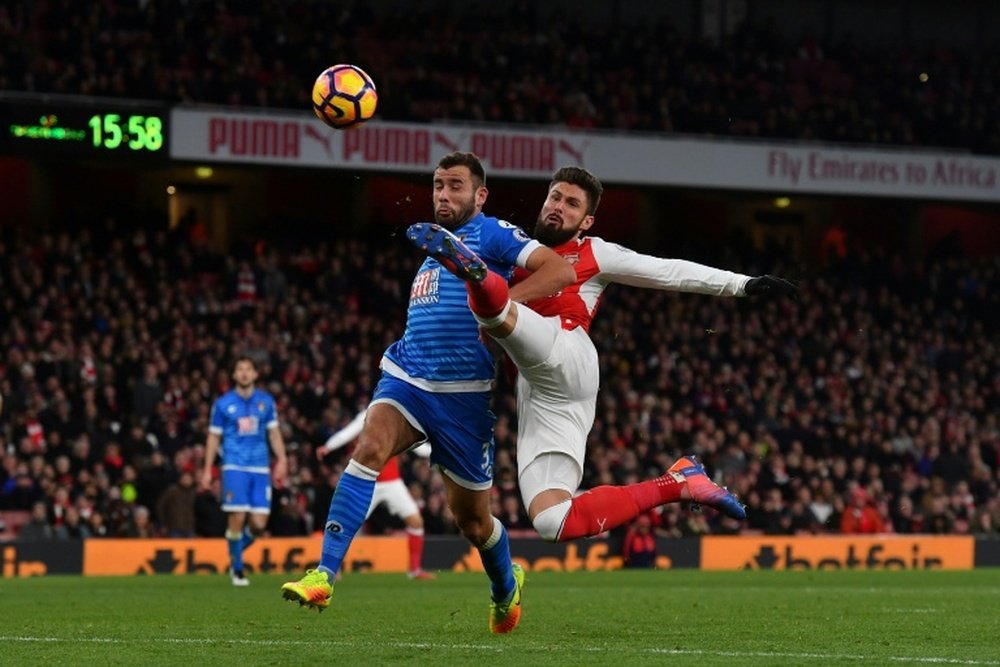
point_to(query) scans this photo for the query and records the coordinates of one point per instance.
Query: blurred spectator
(639, 545)
(987, 519)
(175, 507)
(20, 491)
(940, 521)
(73, 527)
(38, 527)
(513, 515)
(210, 520)
(140, 526)
(147, 393)
(437, 517)
(905, 520)
(286, 518)
(152, 480)
(98, 526)
(861, 517)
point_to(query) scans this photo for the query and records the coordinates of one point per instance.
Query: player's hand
(205, 483)
(321, 453)
(280, 473)
(770, 286)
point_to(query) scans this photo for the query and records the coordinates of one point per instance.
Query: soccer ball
(344, 96)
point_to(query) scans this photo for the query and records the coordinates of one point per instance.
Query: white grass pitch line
(617, 650)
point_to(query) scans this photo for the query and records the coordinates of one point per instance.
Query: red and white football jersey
(599, 263)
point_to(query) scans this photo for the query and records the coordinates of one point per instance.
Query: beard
(460, 217)
(550, 235)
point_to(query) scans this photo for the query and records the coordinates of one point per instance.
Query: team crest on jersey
(248, 425)
(572, 258)
(261, 407)
(231, 409)
(425, 287)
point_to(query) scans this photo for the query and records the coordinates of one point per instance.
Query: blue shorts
(459, 427)
(244, 491)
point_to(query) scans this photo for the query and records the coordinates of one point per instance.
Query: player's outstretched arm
(549, 274)
(621, 265)
(343, 436)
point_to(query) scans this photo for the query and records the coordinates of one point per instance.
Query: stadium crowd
(430, 62)
(869, 405)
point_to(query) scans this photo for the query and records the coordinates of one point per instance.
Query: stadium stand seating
(647, 76)
(876, 389)
(869, 404)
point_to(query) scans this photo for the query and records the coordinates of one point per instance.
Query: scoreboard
(85, 127)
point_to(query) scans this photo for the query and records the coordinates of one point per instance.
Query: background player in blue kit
(244, 419)
(435, 385)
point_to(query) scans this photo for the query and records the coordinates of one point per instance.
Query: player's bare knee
(372, 453)
(475, 529)
(257, 524)
(548, 522)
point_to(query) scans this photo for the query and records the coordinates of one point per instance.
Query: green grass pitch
(581, 618)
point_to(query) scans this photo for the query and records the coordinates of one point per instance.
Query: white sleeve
(346, 434)
(522, 257)
(423, 450)
(621, 265)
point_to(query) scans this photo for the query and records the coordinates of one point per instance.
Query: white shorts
(396, 497)
(557, 388)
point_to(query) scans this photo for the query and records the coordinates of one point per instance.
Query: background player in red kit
(390, 491)
(558, 368)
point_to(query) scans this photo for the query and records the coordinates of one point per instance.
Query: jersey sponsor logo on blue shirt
(425, 287)
(248, 425)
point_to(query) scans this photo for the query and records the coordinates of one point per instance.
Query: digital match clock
(85, 127)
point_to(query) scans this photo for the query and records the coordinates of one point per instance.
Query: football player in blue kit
(243, 420)
(435, 385)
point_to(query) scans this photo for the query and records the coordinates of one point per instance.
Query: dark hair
(470, 160)
(244, 357)
(583, 179)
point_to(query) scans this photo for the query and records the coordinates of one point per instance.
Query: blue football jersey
(243, 424)
(440, 349)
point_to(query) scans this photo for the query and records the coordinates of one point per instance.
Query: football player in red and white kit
(389, 489)
(548, 341)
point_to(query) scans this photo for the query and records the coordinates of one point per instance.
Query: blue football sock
(234, 540)
(247, 539)
(348, 510)
(495, 555)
